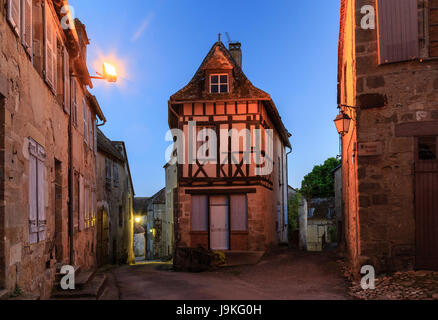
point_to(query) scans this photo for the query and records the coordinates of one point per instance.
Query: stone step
(91, 290)
(4, 294)
(242, 258)
(110, 291)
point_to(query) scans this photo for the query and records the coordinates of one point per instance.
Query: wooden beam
(220, 191)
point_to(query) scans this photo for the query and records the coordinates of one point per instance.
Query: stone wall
(31, 110)
(379, 188)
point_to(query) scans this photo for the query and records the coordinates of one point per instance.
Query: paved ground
(283, 275)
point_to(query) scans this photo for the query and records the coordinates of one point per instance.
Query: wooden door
(219, 223)
(426, 203)
(102, 237)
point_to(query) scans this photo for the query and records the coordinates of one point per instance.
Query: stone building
(224, 202)
(47, 147)
(388, 72)
(321, 223)
(115, 196)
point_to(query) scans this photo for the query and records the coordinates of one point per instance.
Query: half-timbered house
(231, 190)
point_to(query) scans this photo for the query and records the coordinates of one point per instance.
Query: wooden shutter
(199, 213)
(66, 65)
(14, 15)
(87, 205)
(95, 137)
(85, 120)
(90, 130)
(74, 103)
(398, 30)
(42, 223)
(239, 213)
(50, 48)
(33, 196)
(116, 174)
(433, 28)
(26, 23)
(81, 203)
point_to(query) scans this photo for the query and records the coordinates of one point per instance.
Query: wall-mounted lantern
(343, 120)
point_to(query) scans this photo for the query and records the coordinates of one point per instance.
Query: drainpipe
(70, 190)
(287, 190)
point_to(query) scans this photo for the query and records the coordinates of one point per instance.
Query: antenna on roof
(228, 37)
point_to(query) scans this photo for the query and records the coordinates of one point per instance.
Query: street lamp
(138, 219)
(109, 73)
(343, 122)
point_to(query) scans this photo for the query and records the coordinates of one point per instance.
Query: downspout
(287, 192)
(70, 190)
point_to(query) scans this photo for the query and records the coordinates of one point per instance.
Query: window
(108, 171)
(74, 103)
(66, 80)
(76, 203)
(199, 213)
(81, 202)
(90, 129)
(95, 136)
(14, 15)
(219, 83)
(433, 28)
(37, 186)
(51, 49)
(84, 112)
(398, 30)
(116, 175)
(427, 148)
(239, 213)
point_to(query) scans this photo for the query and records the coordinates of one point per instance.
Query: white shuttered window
(14, 15)
(37, 187)
(26, 25)
(50, 48)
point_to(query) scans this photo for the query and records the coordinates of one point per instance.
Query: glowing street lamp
(138, 219)
(109, 73)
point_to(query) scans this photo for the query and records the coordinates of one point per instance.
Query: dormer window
(219, 83)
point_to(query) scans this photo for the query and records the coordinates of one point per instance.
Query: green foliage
(320, 182)
(294, 205)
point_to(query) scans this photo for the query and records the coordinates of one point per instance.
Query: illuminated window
(219, 83)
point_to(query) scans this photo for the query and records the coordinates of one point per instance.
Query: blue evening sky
(289, 50)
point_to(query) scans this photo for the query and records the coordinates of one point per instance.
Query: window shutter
(85, 121)
(199, 213)
(95, 137)
(26, 22)
(14, 15)
(90, 130)
(33, 200)
(116, 174)
(433, 28)
(87, 206)
(74, 103)
(50, 45)
(42, 223)
(239, 217)
(66, 65)
(81, 203)
(398, 30)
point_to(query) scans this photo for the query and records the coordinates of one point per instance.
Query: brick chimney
(236, 52)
